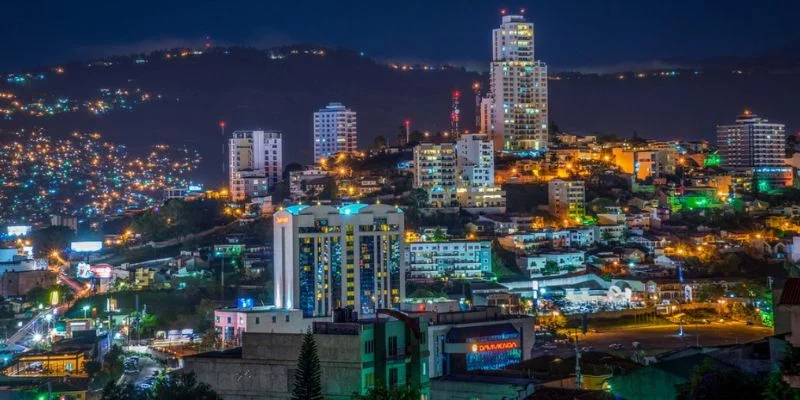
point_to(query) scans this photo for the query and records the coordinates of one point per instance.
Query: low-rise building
(353, 357)
(565, 262)
(458, 259)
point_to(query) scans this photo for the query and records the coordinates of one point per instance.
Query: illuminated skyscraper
(255, 163)
(755, 144)
(335, 131)
(328, 257)
(516, 109)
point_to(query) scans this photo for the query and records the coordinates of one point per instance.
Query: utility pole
(578, 375)
(222, 277)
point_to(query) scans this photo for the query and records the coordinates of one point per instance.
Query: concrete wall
(267, 367)
(465, 390)
(19, 283)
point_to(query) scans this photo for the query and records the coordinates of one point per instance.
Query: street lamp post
(85, 310)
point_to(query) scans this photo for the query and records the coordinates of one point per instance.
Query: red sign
(494, 346)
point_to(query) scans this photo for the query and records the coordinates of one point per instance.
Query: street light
(85, 310)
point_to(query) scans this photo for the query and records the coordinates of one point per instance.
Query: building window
(258, 320)
(369, 346)
(274, 319)
(392, 377)
(369, 379)
(217, 318)
(287, 317)
(229, 320)
(392, 346)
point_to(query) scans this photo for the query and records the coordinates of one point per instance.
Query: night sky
(570, 34)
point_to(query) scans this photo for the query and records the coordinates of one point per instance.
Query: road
(660, 338)
(147, 368)
(22, 334)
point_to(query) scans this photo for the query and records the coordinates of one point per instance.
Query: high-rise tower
(516, 109)
(335, 131)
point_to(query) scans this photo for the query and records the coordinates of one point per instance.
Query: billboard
(19, 230)
(86, 246)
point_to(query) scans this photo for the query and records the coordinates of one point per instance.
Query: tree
(709, 381)
(112, 361)
(381, 392)
(777, 389)
(380, 142)
(211, 340)
(183, 386)
(51, 238)
(307, 377)
(112, 391)
(438, 235)
(91, 367)
(550, 268)
(709, 292)
(289, 168)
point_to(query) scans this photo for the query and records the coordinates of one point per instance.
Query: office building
(354, 356)
(516, 109)
(335, 131)
(255, 163)
(435, 172)
(328, 257)
(567, 199)
(456, 259)
(753, 144)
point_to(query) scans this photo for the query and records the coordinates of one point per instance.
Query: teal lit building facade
(332, 257)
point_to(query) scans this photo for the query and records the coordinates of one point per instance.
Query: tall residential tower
(516, 110)
(335, 131)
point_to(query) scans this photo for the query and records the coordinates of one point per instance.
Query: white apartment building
(457, 259)
(566, 261)
(566, 199)
(435, 172)
(755, 145)
(335, 131)
(475, 158)
(328, 257)
(255, 163)
(516, 109)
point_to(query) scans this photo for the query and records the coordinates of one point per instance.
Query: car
(587, 349)
(615, 346)
(550, 346)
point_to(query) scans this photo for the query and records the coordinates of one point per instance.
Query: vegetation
(177, 218)
(51, 238)
(709, 382)
(307, 378)
(381, 392)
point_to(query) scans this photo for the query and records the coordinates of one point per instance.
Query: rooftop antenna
(407, 124)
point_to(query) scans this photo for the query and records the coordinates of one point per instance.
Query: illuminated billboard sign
(86, 247)
(494, 346)
(19, 230)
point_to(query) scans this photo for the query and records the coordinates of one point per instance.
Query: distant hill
(281, 88)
